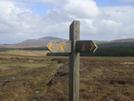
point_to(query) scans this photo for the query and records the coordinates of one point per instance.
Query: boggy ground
(101, 79)
(25, 78)
(38, 78)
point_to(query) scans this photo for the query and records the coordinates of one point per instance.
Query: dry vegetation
(24, 78)
(101, 79)
(26, 52)
(38, 78)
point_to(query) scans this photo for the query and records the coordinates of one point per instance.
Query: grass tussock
(30, 78)
(101, 79)
(21, 77)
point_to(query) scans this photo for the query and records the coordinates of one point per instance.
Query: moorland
(28, 72)
(27, 75)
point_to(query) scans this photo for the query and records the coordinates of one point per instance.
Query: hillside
(129, 40)
(41, 42)
(124, 40)
(32, 43)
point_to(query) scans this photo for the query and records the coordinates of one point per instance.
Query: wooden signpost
(74, 46)
(86, 46)
(59, 46)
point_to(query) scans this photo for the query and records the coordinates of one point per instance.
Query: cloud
(54, 2)
(57, 16)
(23, 22)
(127, 0)
(19, 20)
(122, 14)
(83, 9)
(105, 30)
(97, 23)
(14, 38)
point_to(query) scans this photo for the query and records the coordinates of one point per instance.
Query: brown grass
(101, 78)
(26, 52)
(22, 76)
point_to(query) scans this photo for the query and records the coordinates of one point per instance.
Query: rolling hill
(32, 43)
(41, 42)
(121, 47)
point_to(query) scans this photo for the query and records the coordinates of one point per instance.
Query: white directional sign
(59, 46)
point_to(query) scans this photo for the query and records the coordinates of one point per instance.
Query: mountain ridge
(41, 42)
(124, 40)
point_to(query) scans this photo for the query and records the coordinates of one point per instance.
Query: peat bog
(101, 79)
(38, 78)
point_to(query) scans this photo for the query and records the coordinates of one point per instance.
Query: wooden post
(74, 60)
(74, 47)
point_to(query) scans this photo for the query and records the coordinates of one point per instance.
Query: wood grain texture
(74, 62)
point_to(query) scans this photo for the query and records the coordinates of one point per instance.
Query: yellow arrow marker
(83, 47)
(62, 47)
(50, 46)
(92, 47)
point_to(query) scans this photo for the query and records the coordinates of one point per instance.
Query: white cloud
(19, 20)
(105, 30)
(54, 2)
(83, 9)
(57, 16)
(122, 14)
(12, 18)
(105, 23)
(15, 20)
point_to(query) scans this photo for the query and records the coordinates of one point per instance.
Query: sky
(32, 19)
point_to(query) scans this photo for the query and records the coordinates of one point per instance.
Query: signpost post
(74, 61)
(74, 47)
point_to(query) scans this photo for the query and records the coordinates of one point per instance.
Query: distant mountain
(115, 41)
(124, 40)
(33, 42)
(45, 40)
(100, 42)
(41, 41)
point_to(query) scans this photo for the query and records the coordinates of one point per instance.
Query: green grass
(25, 52)
(25, 65)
